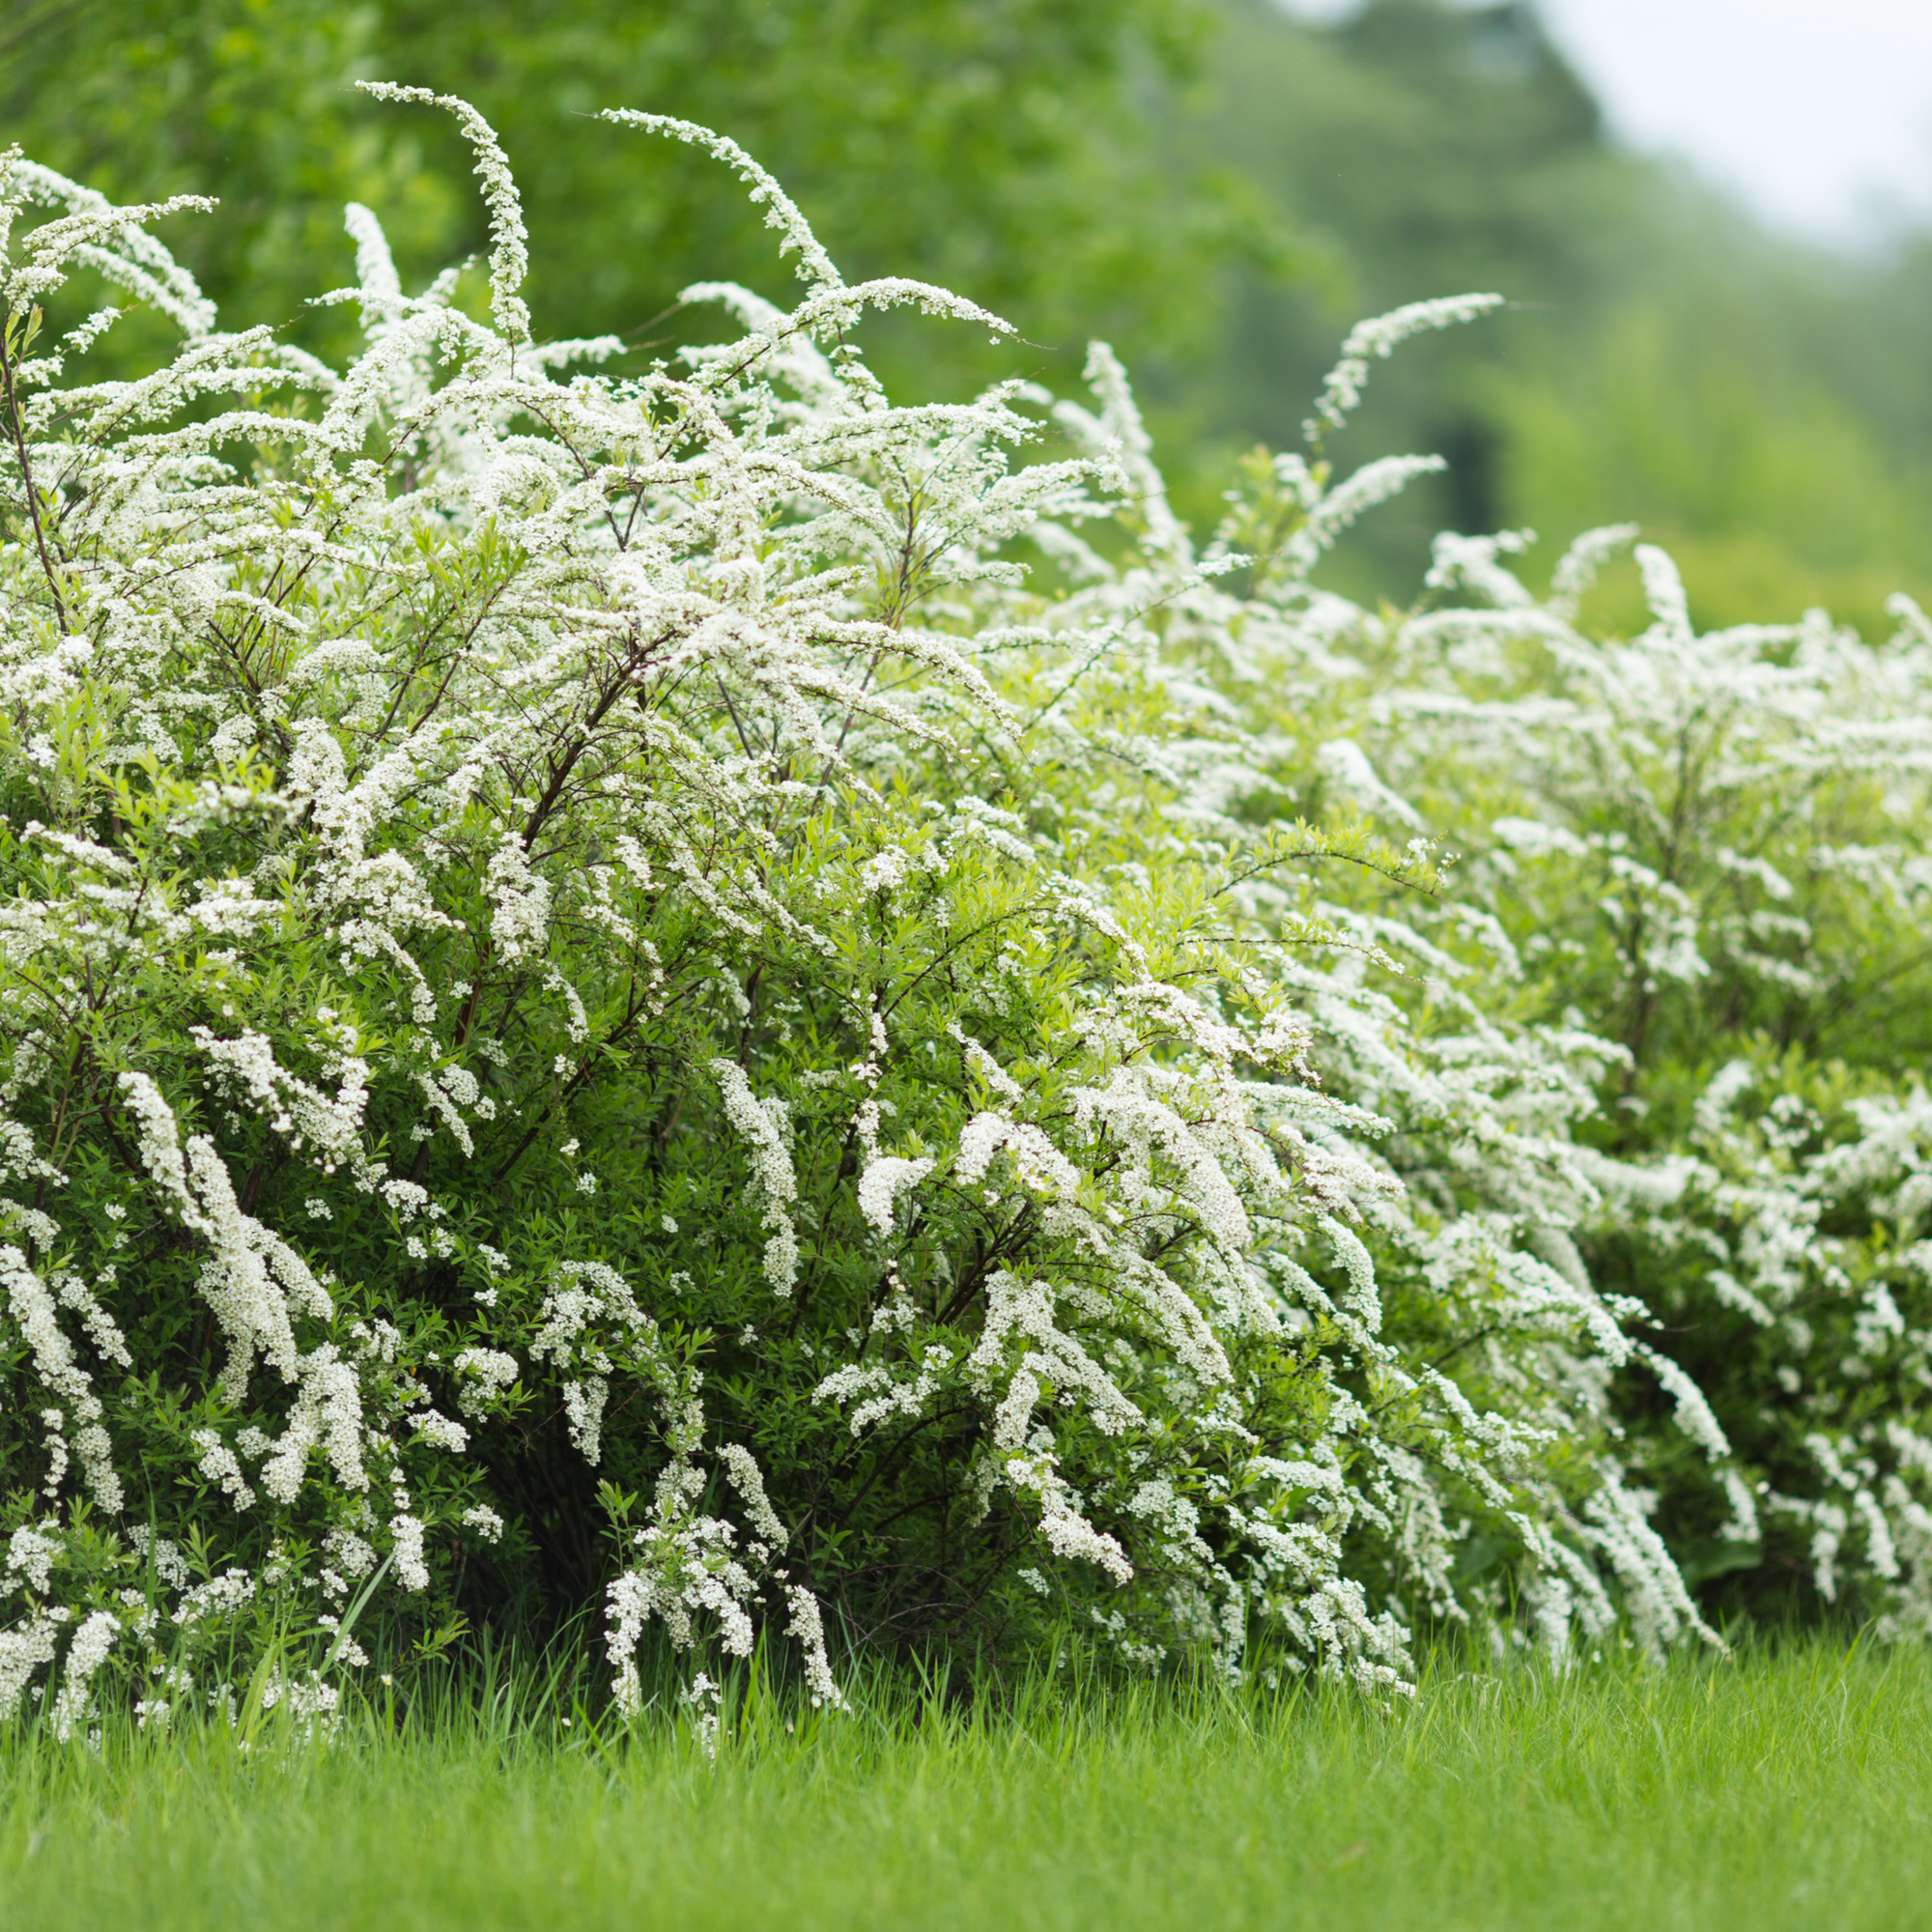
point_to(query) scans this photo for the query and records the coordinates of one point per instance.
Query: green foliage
(854, 1003)
(1006, 132)
(608, 908)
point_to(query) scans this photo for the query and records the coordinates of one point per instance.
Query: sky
(1816, 113)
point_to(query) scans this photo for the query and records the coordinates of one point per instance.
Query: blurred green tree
(996, 146)
(1764, 409)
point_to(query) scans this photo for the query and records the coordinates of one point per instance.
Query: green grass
(1784, 1790)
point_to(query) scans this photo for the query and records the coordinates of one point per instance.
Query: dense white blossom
(610, 906)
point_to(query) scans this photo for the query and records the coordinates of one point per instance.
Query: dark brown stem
(27, 482)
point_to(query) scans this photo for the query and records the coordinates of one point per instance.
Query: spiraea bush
(700, 994)
(1714, 847)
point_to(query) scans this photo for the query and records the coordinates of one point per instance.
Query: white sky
(1817, 113)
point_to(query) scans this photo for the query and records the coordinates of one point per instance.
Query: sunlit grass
(1784, 1789)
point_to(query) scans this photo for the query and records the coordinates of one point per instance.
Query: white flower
(485, 1522)
(884, 1180)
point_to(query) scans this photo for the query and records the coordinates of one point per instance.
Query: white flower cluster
(526, 827)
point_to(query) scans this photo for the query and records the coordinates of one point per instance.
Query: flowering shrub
(608, 1001)
(1714, 847)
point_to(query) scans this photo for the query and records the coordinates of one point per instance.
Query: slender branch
(17, 428)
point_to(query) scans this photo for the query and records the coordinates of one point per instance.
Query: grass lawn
(1778, 1790)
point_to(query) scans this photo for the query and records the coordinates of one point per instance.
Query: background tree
(1762, 408)
(996, 146)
